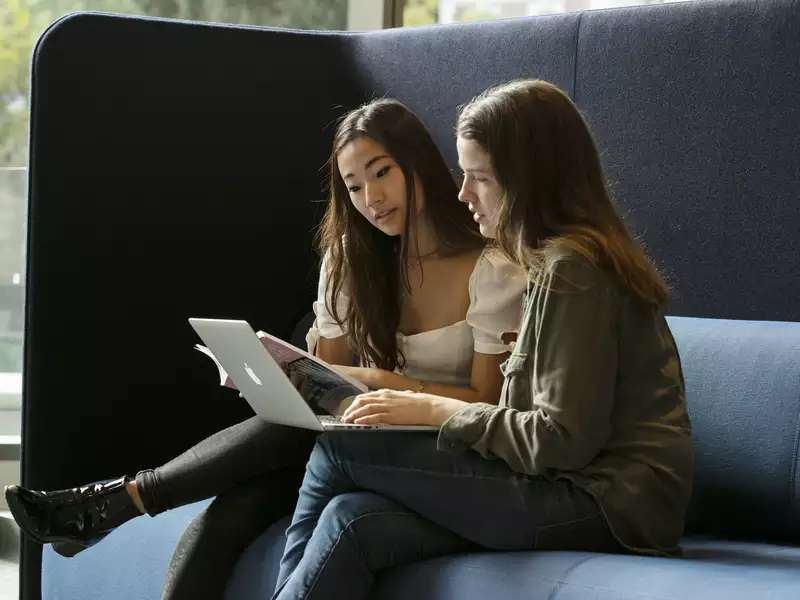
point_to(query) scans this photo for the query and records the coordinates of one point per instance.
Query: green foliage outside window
(420, 12)
(22, 21)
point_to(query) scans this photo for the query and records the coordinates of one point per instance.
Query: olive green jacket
(593, 393)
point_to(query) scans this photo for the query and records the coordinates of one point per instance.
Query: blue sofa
(174, 171)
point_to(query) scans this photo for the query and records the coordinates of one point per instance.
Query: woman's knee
(250, 507)
(228, 517)
(345, 510)
(379, 533)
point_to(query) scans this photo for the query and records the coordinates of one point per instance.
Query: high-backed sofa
(175, 171)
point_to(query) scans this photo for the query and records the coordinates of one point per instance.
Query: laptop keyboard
(339, 424)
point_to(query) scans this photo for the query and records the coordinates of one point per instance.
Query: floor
(9, 557)
(9, 473)
(9, 579)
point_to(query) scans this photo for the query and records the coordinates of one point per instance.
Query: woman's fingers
(386, 406)
(366, 398)
(381, 393)
(354, 412)
(375, 419)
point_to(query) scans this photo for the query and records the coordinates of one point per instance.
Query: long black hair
(365, 262)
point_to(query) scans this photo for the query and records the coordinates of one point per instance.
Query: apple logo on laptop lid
(251, 374)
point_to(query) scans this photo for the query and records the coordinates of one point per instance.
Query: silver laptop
(264, 384)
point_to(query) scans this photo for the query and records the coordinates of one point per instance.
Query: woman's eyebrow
(369, 163)
(375, 159)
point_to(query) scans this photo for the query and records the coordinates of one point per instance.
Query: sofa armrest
(743, 391)
(175, 171)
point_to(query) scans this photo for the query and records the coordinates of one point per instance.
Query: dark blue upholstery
(135, 559)
(130, 564)
(696, 111)
(737, 372)
(743, 388)
(175, 171)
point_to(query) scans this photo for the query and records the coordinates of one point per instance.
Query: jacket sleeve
(559, 417)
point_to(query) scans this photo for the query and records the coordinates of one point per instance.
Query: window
(424, 12)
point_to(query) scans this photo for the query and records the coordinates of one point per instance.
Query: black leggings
(254, 469)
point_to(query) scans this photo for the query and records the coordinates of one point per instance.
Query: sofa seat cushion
(131, 564)
(710, 569)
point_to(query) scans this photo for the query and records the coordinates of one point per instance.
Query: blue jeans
(373, 500)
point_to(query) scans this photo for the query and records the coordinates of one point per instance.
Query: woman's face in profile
(376, 185)
(480, 190)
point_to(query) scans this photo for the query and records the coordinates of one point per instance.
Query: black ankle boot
(73, 519)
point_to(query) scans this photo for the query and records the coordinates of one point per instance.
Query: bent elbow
(567, 453)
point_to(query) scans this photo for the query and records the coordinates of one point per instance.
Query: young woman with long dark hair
(590, 445)
(407, 286)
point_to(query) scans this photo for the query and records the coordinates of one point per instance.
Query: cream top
(444, 355)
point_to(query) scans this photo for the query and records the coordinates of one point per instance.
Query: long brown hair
(546, 161)
(370, 266)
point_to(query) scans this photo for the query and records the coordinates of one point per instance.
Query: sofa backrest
(743, 388)
(695, 110)
(175, 172)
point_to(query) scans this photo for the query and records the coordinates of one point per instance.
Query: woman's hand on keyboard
(391, 407)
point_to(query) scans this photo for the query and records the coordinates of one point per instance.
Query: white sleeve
(496, 290)
(325, 325)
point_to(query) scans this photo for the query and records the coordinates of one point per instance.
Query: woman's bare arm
(334, 351)
(485, 384)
